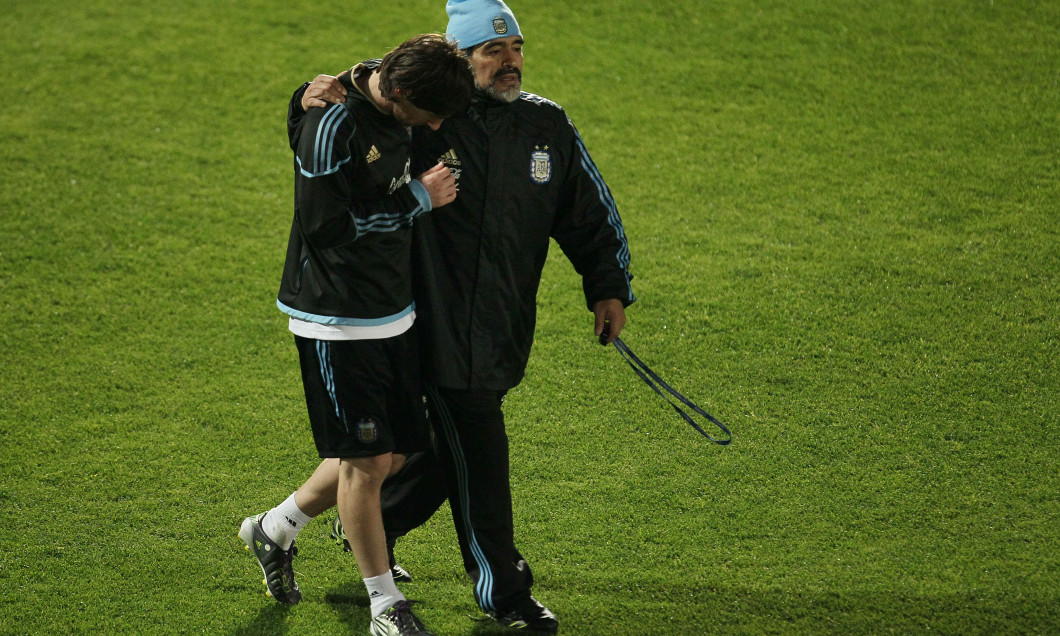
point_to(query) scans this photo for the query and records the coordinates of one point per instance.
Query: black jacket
(348, 258)
(523, 176)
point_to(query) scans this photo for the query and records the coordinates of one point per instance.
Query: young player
(347, 289)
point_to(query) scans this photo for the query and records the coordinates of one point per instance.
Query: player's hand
(440, 185)
(610, 319)
(323, 90)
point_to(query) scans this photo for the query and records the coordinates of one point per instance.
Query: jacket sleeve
(327, 175)
(295, 114)
(588, 228)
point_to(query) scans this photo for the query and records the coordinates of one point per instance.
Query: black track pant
(472, 463)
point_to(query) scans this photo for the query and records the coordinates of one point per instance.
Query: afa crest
(541, 165)
(500, 26)
(368, 431)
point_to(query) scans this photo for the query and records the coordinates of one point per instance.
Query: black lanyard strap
(659, 385)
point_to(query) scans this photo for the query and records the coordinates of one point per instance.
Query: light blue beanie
(473, 22)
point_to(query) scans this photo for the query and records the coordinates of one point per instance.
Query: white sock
(284, 522)
(382, 592)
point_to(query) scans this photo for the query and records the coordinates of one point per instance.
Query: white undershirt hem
(318, 331)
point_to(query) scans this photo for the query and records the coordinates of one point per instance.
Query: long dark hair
(431, 72)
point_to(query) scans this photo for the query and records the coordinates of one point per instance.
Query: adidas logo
(373, 154)
(450, 158)
(375, 594)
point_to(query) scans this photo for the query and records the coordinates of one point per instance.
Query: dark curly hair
(431, 72)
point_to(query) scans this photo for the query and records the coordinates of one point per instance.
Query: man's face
(498, 67)
(409, 115)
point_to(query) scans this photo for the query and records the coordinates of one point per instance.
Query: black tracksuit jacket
(523, 176)
(348, 256)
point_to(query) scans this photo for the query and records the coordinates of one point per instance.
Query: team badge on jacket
(541, 164)
(368, 431)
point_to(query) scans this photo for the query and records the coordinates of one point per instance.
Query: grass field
(844, 225)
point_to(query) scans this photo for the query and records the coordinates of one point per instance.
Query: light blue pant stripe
(328, 374)
(484, 587)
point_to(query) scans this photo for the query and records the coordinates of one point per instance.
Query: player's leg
(412, 493)
(470, 434)
(318, 493)
(415, 488)
(365, 380)
(270, 535)
(338, 533)
(360, 482)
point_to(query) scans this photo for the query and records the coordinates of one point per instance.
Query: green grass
(843, 219)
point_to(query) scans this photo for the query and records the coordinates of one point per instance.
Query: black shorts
(364, 396)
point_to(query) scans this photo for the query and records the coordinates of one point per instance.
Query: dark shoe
(275, 562)
(398, 620)
(401, 575)
(529, 615)
(339, 536)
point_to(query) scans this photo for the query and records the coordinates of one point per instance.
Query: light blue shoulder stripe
(325, 141)
(324, 144)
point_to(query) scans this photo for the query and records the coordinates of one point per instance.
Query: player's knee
(367, 472)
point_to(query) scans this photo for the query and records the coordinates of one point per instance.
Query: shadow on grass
(491, 628)
(351, 605)
(271, 619)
